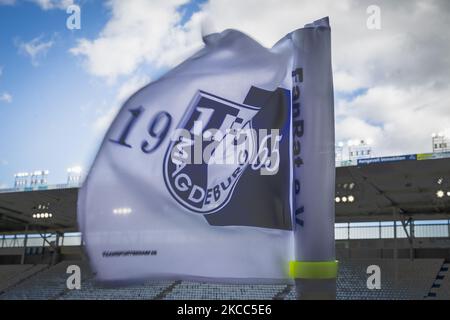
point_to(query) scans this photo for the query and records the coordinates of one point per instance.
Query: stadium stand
(399, 220)
(402, 280)
(11, 275)
(51, 284)
(199, 291)
(440, 290)
(9, 271)
(399, 281)
(44, 285)
(93, 290)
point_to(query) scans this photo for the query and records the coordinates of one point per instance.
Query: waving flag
(194, 178)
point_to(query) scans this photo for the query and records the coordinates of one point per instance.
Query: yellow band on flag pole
(313, 269)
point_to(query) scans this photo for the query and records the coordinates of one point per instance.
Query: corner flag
(200, 174)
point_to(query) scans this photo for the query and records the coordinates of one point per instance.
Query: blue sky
(42, 127)
(54, 101)
(60, 88)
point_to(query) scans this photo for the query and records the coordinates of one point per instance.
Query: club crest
(210, 150)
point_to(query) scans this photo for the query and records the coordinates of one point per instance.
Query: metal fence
(38, 240)
(342, 231)
(387, 230)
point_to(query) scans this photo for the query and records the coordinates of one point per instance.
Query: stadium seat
(403, 279)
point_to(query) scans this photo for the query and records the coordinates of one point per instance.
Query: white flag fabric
(194, 178)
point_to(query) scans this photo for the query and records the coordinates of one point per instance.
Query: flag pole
(315, 267)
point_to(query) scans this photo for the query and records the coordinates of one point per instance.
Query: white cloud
(399, 120)
(6, 97)
(43, 4)
(130, 86)
(102, 123)
(53, 4)
(344, 82)
(35, 49)
(405, 65)
(139, 32)
(127, 88)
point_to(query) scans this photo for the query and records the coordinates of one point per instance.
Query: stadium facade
(391, 212)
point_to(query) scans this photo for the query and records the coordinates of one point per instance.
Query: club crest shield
(210, 150)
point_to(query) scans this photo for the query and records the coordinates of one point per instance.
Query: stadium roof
(407, 187)
(17, 209)
(380, 188)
